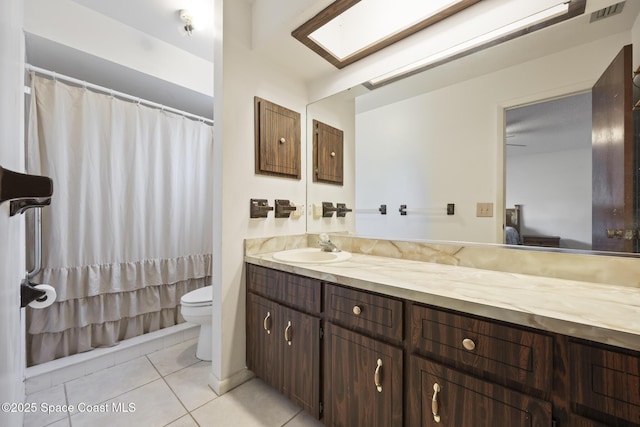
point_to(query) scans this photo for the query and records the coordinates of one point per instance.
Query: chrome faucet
(327, 245)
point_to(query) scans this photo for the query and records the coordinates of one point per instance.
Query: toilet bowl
(196, 308)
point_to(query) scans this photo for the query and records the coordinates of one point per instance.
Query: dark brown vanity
(353, 357)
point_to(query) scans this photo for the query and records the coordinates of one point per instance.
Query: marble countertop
(607, 314)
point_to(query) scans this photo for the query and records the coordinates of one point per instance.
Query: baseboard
(227, 384)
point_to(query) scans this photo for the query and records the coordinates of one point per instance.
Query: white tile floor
(165, 388)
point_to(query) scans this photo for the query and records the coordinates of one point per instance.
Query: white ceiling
(157, 18)
(160, 19)
(555, 125)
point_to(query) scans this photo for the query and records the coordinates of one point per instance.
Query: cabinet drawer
(463, 400)
(605, 381)
(508, 355)
(263, 281)
(302, 292)
(374, 314)
(292, 290)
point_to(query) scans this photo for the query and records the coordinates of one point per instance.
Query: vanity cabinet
(376, 360)
(283, 341)
(363, 373)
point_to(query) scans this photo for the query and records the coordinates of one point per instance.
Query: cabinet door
(363, 380)
(462, 400)
(264, 340)
(277, 139)
(328, 157)
(605, 384)
(300, 339)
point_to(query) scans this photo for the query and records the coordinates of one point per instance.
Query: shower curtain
(129, 228)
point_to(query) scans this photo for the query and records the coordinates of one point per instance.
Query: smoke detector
(187, 19)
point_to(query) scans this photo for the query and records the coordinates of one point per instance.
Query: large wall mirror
(450, 136)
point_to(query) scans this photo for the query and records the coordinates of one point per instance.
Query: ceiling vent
(606, 12)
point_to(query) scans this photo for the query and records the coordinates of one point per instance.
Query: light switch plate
(484, 210)
(298, 212)
(317, 210)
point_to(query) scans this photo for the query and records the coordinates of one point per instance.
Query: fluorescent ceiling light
(371, 21)
(530, 20)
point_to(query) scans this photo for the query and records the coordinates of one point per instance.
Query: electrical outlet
(484, 209)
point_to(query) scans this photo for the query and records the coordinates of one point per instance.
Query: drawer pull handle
(376, 376)
(357, 310)
(287, 330)
(434, 403)
(265, 323)
(468, 344)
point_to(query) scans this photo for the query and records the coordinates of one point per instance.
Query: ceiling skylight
(371, 21)
(349, 30)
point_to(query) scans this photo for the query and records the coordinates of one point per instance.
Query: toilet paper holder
(29, 293)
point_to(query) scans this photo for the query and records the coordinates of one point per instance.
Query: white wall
(12, 249)
(241, 74)
(454, 138)
(339, 113)
(555, 191)
(70, 24)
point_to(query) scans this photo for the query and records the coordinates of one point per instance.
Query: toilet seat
(198, 298)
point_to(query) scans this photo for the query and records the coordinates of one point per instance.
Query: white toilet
(196, 308)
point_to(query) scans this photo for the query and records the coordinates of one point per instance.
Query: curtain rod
(112, 92)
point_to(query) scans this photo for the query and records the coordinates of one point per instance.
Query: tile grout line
(161, 376)
(292, 418)
(124, 392)
(177, 397)
(174, 393)
(66, 400)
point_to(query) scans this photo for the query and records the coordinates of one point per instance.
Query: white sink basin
(311, 256)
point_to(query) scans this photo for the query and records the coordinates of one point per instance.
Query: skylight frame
(336, 8)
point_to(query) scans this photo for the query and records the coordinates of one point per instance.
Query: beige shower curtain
(129, 228)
